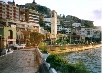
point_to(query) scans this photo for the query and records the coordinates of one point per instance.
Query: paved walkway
(19, 61)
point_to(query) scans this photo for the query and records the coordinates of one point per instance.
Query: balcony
(0, 11)
(35, 18)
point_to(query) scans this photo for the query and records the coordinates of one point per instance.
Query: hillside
(43, 10)
(46, 12)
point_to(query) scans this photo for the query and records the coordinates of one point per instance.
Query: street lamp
(0, 41)
(70, 37)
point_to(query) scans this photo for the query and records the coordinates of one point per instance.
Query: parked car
(19, 46)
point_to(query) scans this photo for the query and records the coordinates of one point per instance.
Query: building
(96, 33)
(53, 24)
(47, 21)
(33, 18)
(68, 30)
(9, 34)
(28, 15)
(8, 11)
(76, 24)
(87, 32)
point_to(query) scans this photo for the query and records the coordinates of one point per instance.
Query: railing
(39, 57)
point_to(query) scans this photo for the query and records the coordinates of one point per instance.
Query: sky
(83, 9)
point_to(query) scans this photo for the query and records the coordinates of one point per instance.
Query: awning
(11, 39)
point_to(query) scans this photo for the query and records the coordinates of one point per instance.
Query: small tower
(13, 2)
(34, 2)
(53, 24)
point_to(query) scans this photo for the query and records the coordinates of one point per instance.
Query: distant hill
(43, 10)
(46, 12)
(74, 19)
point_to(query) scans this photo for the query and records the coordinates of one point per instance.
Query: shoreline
(67, 49)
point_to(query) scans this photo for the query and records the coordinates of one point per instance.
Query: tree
(41, 22)
(36, 38)
(43, 46)
(88, 24)
(62, 23)
(63, 31)
(48, 28)
(63, 16)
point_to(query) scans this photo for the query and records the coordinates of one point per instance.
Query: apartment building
(96, 33)
(59, 27)
(68, 30)
(47, 21)
(29, 15)
(34, 18)
(8, 11)
(87, 32)
(76, 24)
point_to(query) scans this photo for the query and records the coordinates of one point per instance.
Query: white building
(76, 24)
(59, 27)
(68, 30)
(87, 32)
(47, 21)
(96, 33)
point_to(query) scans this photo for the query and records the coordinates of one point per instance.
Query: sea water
(91, 58)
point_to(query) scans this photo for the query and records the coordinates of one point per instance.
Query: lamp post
(0, 41)
(70, 37)
(19, 36)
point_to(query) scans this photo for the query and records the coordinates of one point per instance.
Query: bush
(45, 49)
(63, 66)
(43, 46)
(81, 68)
(55, 61)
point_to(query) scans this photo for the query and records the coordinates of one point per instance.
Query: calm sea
(91, 58)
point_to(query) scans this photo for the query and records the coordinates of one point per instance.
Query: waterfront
(91, 58)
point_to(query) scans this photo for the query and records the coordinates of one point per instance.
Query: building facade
(9, 11)
(8, 34)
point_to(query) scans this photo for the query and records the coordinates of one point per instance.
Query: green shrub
(63, 66)
(81, 68)
(45, 49)
(43, 46)
(55, 61)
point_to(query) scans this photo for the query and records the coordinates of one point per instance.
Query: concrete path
(19, 61)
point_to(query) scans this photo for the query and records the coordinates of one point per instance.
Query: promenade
(20, 61)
